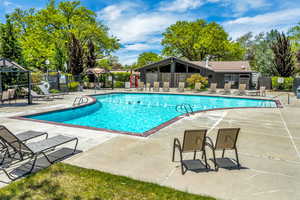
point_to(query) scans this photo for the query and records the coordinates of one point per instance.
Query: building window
(231, 78)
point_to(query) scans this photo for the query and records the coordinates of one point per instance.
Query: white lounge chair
(166, 87)
(181, 86)
(156, 87)
(213, 88)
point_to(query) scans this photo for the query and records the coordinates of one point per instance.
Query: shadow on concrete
(7, 105)
(22, 170)
(197, 166)
(227, 163)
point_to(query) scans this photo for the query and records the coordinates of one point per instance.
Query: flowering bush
(197, 78)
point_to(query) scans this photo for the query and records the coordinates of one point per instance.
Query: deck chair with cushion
(141, 86)
(242, 89)
(166, 87)
(156, 87)
(213, 88)
(181, 86)
(32, 150)
(193, 142)
(45, 91)
(227, 88)
(226, 140)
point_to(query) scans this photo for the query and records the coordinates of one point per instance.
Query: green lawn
(63, 181)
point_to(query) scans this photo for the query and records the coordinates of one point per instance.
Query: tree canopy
(148, 58)
(198, 39)
(46, 34)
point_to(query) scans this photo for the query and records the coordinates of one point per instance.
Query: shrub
(54, 91)
(197, 78)
(287, 84)
(122, 76)
(118, 84)
(36, 77)
(73, 86)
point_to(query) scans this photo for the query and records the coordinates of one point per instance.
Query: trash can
(298, 92)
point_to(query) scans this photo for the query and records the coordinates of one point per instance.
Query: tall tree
(198, 39)
(91, 58)
(43, 30)
(294, 35)
(75, 56)
(9, 45)
(148, 58)
(258, 51)
(283, 56)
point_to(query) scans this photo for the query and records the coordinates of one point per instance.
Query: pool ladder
(80, 100)
(185, 108)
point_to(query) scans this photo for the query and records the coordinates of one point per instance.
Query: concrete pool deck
(268, 147)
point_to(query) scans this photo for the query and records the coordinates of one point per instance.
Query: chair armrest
(209, 142)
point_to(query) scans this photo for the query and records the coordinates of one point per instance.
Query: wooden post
(29, 88)
(0, 81)
(173, 69)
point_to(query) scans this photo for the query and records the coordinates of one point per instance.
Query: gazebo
(7, 66)
(97, 72)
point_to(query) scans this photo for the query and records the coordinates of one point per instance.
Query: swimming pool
(141, 113)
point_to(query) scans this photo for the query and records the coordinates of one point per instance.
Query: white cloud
(137, 47)
(281, 20)
(115, 11)
(241, 6)
(180, 5)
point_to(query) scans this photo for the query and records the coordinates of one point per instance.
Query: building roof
(10, 66)
(216, 66)
(226, 66)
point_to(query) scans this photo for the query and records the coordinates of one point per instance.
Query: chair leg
(223, 153)
(173, 155)
(205, 158)
(215, 162)
(237, 158)
(194, 155)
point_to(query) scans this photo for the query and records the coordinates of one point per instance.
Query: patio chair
(227, 88)
(4, 96)
(213, 88)
(262, 91)
(166, 87)
(197, 87)
(148, 86)
(226, 140)
(242, 89)
(193, 141)
(181, 86)
(35, 95)
(156, 87)
(141, 86)
(33, 149)
(45, 91)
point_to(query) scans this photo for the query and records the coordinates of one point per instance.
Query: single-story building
(175, 70)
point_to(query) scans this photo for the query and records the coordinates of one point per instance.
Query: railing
(185, 108)
(80, 100)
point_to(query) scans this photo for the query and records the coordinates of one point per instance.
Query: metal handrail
(82, 100)
(186, 107)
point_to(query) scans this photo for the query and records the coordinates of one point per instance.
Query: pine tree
(9, 45)
(283, 62)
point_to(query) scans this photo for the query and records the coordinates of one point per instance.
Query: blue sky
(139, 24)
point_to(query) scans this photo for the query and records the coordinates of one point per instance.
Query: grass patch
(63, 181)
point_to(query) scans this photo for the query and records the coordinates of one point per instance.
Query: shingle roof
(216, 66)
(226, 66)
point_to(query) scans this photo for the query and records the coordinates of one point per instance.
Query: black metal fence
(296, 84)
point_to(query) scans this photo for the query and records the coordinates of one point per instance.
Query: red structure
(134, 80)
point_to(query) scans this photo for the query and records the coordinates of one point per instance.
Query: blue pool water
(138, 113)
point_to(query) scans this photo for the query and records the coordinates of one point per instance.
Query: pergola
(7, 66)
